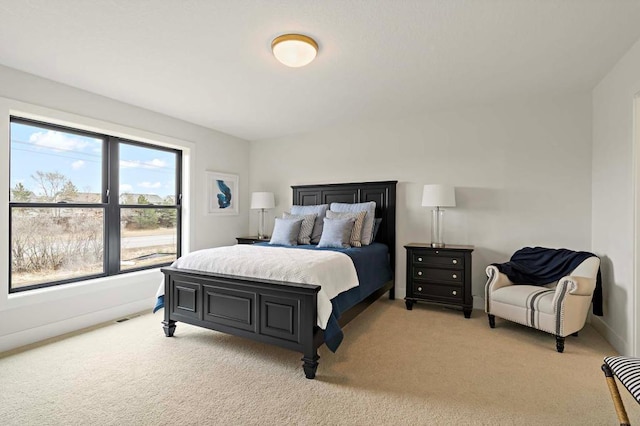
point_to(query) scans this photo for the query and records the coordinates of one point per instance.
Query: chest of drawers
(439, 275)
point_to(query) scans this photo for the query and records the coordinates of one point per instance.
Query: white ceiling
(209, 61)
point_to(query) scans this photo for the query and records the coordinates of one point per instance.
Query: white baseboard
(610, 336)
(33, 335)
(478, 302)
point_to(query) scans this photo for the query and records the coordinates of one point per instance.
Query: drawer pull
(419, 288)
(455, 261)
(419, 259)
(454, 292)
(454, 276)
(419, 272)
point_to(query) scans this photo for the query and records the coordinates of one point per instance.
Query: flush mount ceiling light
(294, 50)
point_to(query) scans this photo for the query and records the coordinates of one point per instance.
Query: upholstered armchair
(560, 307)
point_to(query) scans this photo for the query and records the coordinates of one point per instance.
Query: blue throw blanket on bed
(159, 304)
(540, 265)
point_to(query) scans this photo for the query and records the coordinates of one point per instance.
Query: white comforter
(333, 271)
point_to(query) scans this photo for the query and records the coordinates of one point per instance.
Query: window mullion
(112, 220)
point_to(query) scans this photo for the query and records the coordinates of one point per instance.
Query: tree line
(55, 187)
(54, 238)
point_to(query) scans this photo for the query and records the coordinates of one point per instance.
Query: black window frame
(110, 203)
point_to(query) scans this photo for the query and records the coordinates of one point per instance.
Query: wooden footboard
(274, 312)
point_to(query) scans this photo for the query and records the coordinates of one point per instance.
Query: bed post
(310, 349)
(310, 364)
(168, 325)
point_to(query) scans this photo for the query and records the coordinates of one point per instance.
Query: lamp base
(264, 237)
(437, 227)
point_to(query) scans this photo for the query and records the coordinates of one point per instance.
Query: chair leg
(492, 321)
(560, 344)
(615, 396)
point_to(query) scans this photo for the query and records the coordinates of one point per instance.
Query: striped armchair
(559, 308)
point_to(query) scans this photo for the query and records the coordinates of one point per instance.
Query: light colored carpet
(426, 366)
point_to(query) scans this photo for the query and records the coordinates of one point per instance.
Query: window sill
(49, 294)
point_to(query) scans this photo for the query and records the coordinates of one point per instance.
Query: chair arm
(496, 278)
(574, 286)
(578, 286)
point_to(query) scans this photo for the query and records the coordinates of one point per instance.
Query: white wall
(35, 315)
(522, 172)
(613, 198)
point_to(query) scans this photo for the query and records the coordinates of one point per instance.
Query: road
(148, 241)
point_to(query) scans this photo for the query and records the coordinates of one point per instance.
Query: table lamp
(438, 196)
(262, 201)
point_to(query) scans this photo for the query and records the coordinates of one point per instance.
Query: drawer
(454, 276)
(443, 292)
(441, 260)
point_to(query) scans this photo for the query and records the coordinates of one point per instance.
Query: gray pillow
(320, 210)
(356, 231)
(336, 232)
(308, 220)
(367, 227)
(285, 232)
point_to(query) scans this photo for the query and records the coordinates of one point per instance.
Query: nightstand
(439, 275)
(251, 240)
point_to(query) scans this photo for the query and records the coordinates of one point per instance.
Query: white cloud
(77, 164)
(156, 163)
(57, 141)
(153, 164)
(149, 184)
(125, 187)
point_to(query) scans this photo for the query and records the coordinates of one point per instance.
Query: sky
(142, 170)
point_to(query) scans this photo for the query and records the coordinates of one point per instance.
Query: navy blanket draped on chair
(540, 265)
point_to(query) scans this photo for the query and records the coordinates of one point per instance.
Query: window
(85, 205)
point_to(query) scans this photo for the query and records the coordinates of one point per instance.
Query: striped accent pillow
(320, 210)
(356, 231)
(308, 220)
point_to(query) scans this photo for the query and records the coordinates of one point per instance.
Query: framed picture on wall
(222, 193)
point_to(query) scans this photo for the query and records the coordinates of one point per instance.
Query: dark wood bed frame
(275, 312)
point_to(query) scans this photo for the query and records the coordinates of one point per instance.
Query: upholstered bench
(627, 370)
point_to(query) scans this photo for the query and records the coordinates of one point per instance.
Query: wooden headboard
(383, 193)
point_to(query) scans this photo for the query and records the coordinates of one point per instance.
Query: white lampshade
(294, 50)
(262, 200)
(438, 196)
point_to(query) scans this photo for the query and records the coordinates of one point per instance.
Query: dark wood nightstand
(439, 275)
(251, 240)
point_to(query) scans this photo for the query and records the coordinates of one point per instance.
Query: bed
(277, 312)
